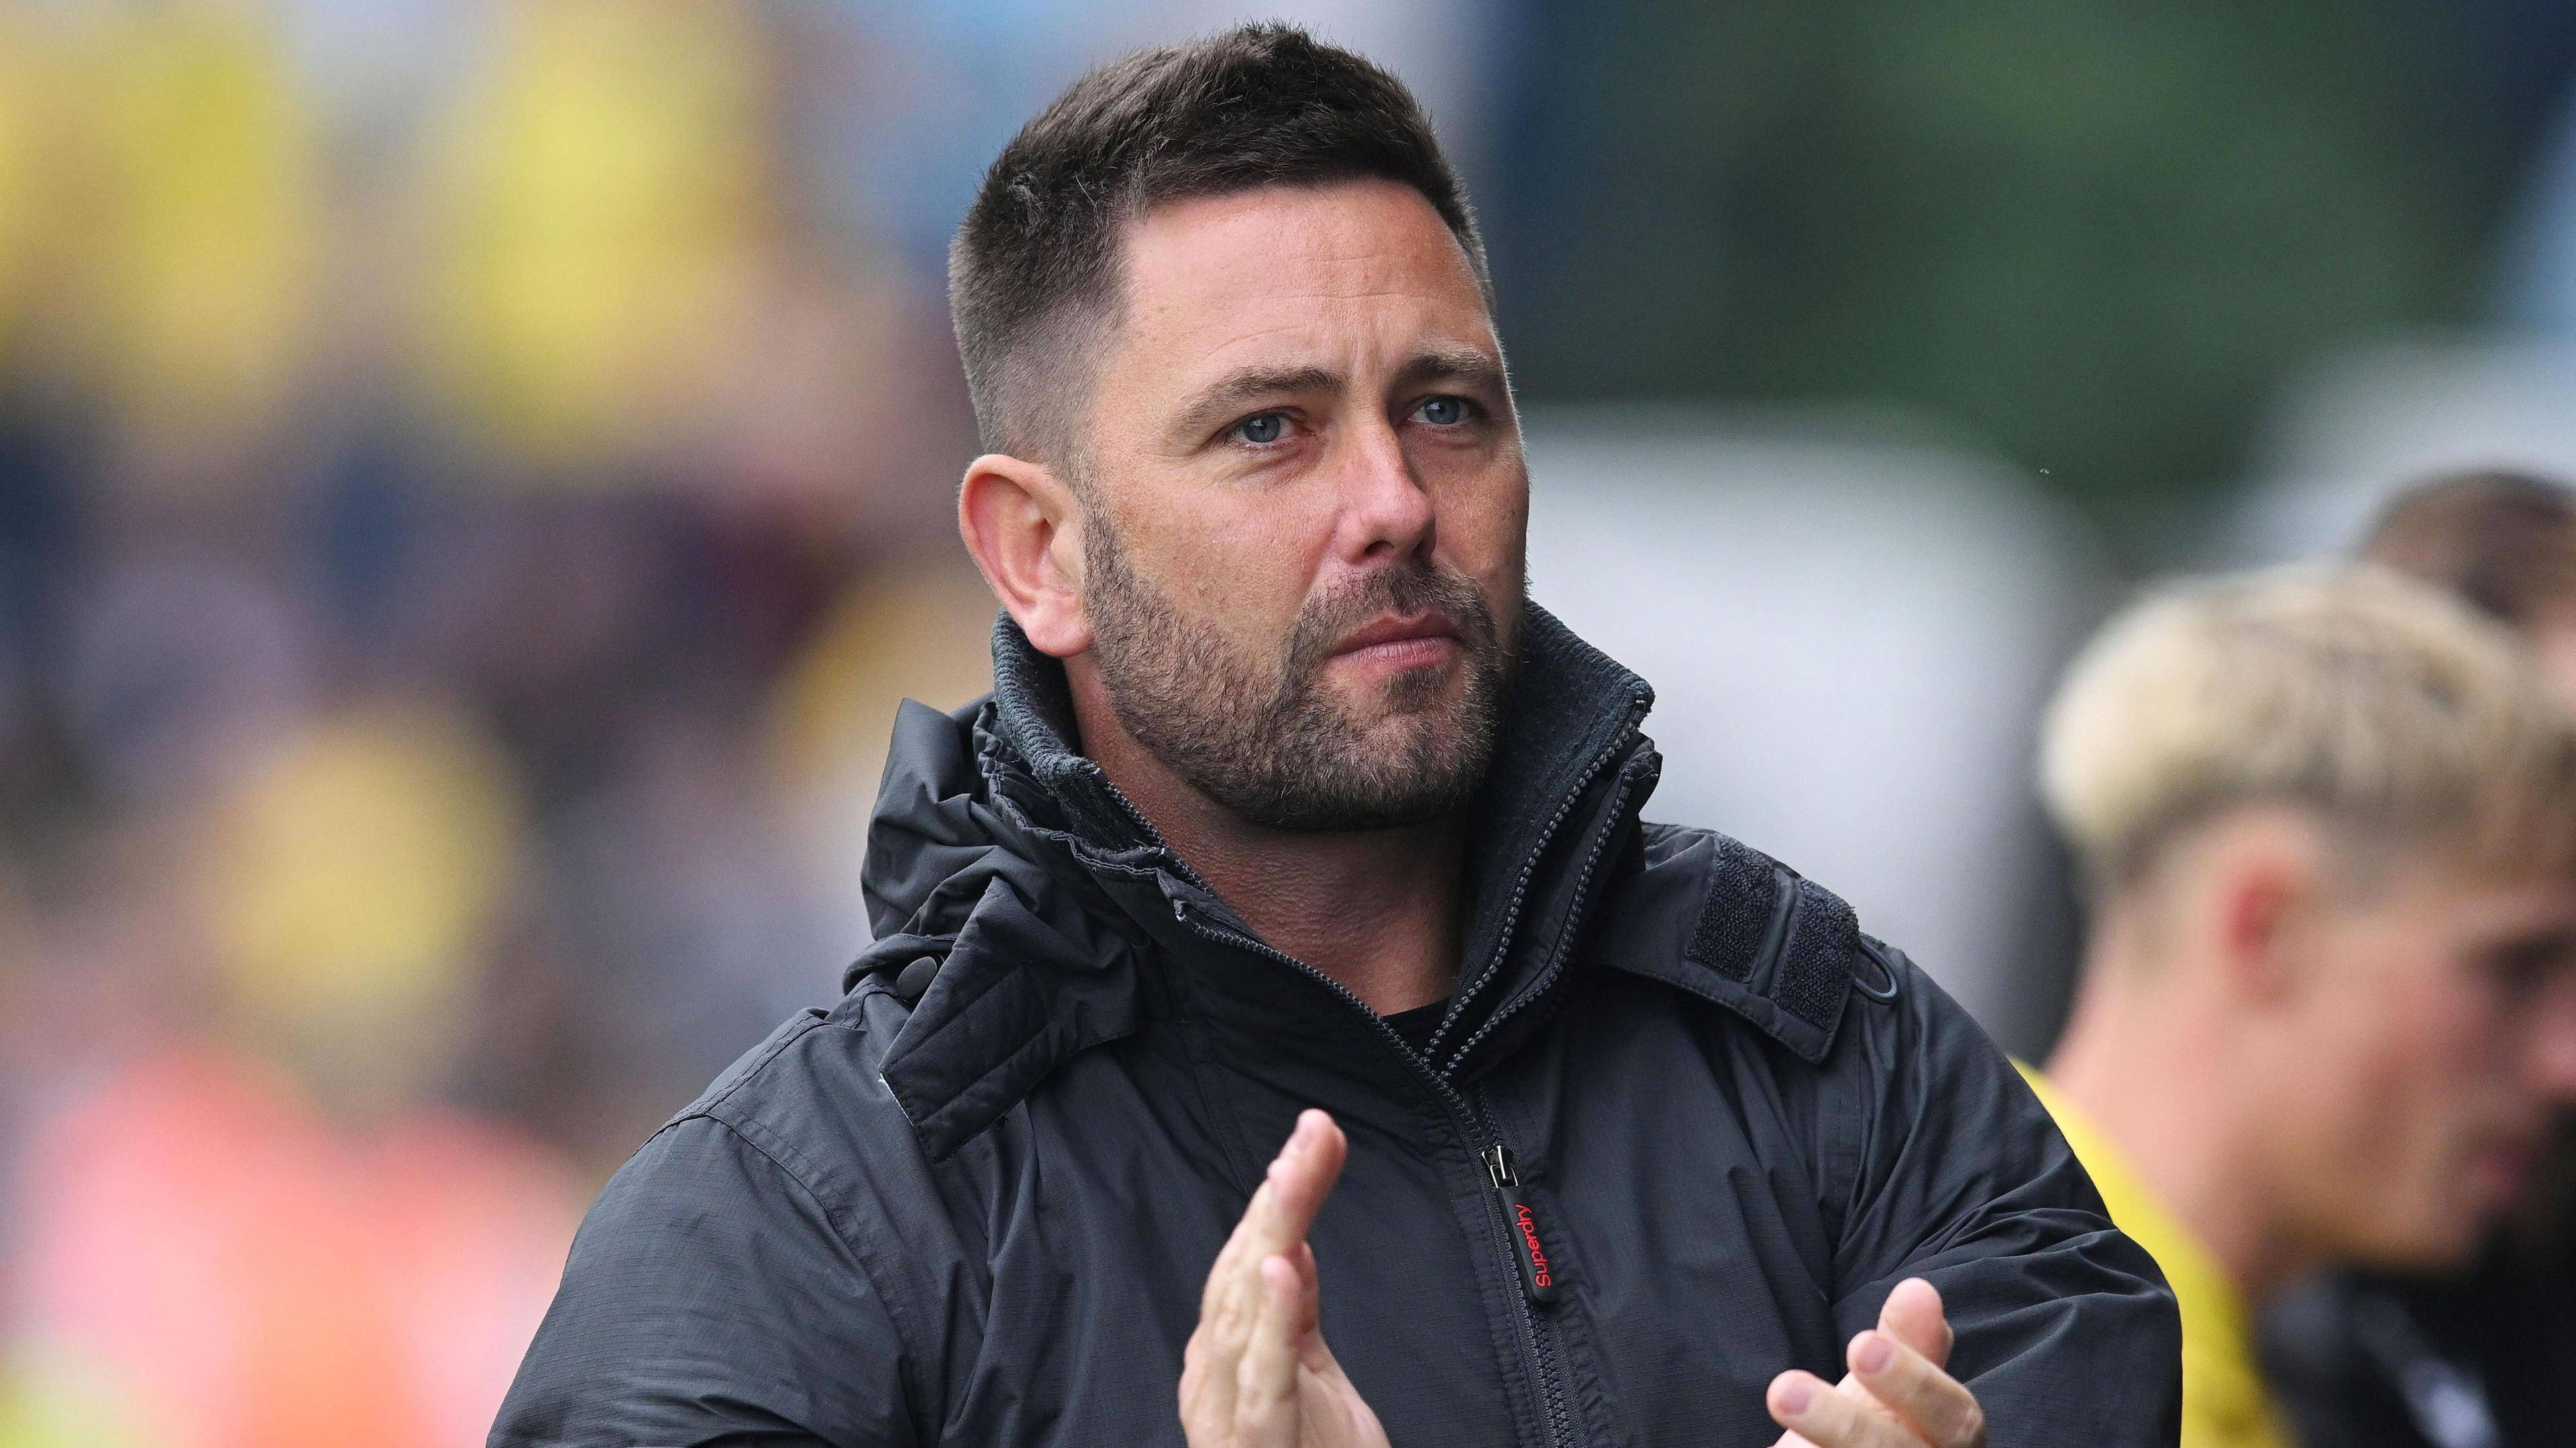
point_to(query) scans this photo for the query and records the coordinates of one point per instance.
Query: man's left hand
(1897, 1394)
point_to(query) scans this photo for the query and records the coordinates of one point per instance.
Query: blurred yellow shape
(917, 629)
(196, 172)
(52, 1398)
(353, 878)
(597, 215)
(20, 94)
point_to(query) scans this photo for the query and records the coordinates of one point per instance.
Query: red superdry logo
(1529, 1239)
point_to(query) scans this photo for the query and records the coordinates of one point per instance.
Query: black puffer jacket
(984, 1216)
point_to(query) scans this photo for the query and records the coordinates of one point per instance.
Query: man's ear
(2270, 884)
(1024, 528)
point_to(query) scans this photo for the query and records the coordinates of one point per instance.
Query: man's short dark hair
(1033, 275)
(2503, 540)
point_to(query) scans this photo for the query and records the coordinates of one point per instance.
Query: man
(2505, 543)
(1288, 820)
(2485, 1358)
(2327, 819)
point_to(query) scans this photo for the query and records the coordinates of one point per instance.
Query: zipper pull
(1538, 1275)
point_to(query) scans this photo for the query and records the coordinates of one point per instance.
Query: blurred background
(475, 479)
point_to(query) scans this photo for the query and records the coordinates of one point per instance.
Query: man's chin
(1406, 734)
(2482, 1195)
(2426, 1246)
(2497, 1177)
(1375, 701)
(1400, 771)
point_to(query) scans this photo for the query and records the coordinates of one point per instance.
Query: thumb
(1913, 1316)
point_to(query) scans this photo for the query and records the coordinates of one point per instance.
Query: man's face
(2441, 1034)
(1305, 506)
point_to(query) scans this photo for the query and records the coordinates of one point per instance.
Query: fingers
(1914, 1317)
(1937, 1407)
(1897, 1393)
(1239, 1377)
(1815, 1414)
(1305, 1172)
(1281, 1210)
(1250, 1339)
(1208, 1376)
(1265, 1387)
(1311, 1350)
(1284, 1205)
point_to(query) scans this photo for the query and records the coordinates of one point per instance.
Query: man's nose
(1386, 512)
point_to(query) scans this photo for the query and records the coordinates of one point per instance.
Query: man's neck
(1375, 910)
(2155, 1077)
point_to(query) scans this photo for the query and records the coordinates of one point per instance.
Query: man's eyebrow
(1217, 401)
(1452, 364)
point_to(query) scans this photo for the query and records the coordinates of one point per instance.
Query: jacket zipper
(1556, 957)
(1529, 872)
(1538, 1285)
(1520, 1227)
(1538, 1279)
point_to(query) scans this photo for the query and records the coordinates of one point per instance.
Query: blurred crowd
(474, 482)
(467, 507)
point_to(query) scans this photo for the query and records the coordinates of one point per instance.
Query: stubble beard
(1272, 743)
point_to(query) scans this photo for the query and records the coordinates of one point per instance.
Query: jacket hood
(997, 847)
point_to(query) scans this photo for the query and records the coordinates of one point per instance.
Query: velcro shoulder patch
(1783, 947)
(1816, 966)
(1736, 920)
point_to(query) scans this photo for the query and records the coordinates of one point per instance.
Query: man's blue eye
(1264, 428)
(1444, 411)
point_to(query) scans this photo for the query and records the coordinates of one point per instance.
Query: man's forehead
(1273, 266)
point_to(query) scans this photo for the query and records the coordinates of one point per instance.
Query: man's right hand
(1257, 1371)
(1898, 1394)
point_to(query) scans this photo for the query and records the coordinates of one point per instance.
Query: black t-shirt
(1417, 1024)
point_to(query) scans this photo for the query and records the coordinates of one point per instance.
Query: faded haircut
(1034, 272)
(2389, 709)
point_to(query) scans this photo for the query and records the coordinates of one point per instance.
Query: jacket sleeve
(708, 1300)
(1951, 1170)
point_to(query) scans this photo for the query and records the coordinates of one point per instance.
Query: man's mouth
(1409, 641)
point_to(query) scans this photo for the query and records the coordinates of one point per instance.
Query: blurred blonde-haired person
(2326, 819)
(2485, 1358)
